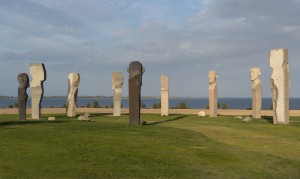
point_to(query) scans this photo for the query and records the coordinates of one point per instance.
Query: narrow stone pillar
(280, 85)
(212, 93)
(164, 95)
(117, 84)
(73, 84)
(135, 71)
(22, 95)
(256, 92)
(38, 74)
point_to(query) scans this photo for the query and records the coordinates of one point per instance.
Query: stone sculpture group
(280, 85)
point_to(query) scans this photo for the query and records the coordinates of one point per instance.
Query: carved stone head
(38, 73)
(23, 80)
(254, 73)
(212, 77)
(74, 79)
(117, 80)
(135, 68)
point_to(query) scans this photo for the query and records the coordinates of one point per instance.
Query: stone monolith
(280, 85)
(212, 93)
(22, 95)
(38, 74)
(73, 82)
(164, 95)
(135, 71)
(117, 84)
(256, 92)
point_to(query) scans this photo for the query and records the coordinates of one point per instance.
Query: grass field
(177, 146)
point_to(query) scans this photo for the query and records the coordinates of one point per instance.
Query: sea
(193, 103)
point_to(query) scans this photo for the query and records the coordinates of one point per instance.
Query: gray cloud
(96, 38)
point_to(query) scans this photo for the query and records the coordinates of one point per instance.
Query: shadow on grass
(5, 123)
(168, 120)
(268, 118)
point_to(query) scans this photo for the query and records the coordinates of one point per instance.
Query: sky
(178, 38)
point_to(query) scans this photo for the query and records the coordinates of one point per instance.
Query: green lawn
(178, 146)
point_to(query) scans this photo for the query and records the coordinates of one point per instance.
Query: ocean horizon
(191, 102)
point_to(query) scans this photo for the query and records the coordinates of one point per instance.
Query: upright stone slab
(256, 92)
(135, 71)
(38, 74)
(280, 85)
(22, 95)
(117, 84)
(212, 93)
(74, 80)
(164, 95)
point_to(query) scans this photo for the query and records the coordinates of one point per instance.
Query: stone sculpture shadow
(268, 118)
(168, 120)
(7, 123)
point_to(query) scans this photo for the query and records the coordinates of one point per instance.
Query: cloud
(183, 39)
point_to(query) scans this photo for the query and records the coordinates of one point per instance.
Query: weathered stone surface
(135, 71)
(256, 92)
(202, 114)
(117, 85)
(247, 119)
(74, 80)
(212, 93)
(51, 119)
(38, 74)
(85, 117)
(164, 95)
(238, 117)
(22, 95)
(280, 85)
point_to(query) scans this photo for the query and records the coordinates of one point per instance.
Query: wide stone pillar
(117, 85)
(135, 71)
(280, 85)
(256, 92)
(73, 84)
(213, 93)
(38, 74)
(164, 95)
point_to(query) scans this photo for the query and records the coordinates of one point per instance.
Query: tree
(10, 106)
(143, 105)
(182, 105)
(16, 105)
(207, 107)
(218, 105)
(154, 106)
(95, 104)
(88, 105)
(224, 106)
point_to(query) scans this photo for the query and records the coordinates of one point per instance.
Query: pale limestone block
(164, 95)
(51, 118)
(202, 114)
(74, 80)
(280, 85)
(256, 92)
(212, 93)
(38, 74)
(117, 84)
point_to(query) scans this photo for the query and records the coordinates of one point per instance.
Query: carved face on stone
(254, 73)
(118, 80)
(38, 74)
(212, 77)
(23, 80)
(135, 69)
(74, 79)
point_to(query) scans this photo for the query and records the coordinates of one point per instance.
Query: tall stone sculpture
(256, 92)
(164, 95)
(74, 80)
(135, 71)
(38, 74)
(280, 85)
(117, 84)
(212, 93)
(22, 95)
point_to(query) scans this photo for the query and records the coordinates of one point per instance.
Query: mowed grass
(177, 146)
